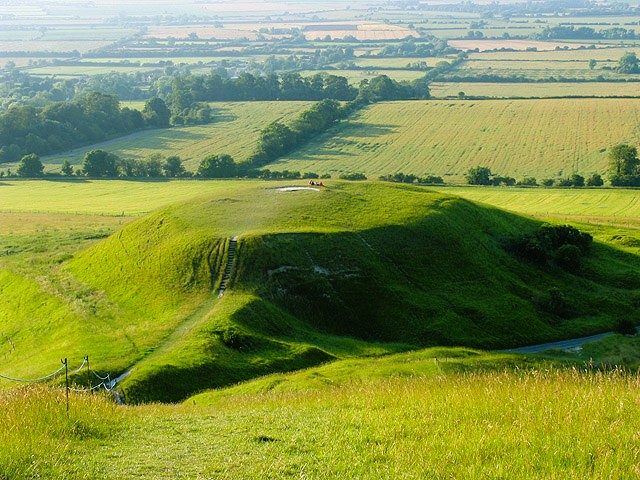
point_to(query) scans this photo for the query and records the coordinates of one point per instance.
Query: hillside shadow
(448, 278)
(67, 180)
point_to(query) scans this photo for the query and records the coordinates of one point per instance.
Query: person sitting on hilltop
(311, 182)
(320, 184)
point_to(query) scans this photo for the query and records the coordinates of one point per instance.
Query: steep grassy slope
(542, 138)
(353, 270)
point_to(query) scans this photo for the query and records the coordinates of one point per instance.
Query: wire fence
(104, 382)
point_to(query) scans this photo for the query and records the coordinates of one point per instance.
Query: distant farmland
(235, 132)
(536, 90)
(542, 138)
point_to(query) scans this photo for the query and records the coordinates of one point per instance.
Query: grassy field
(535, 90)
(234, 132)
(486, 423)
(608, 206)
(546, 138)
(542, 70)
(579, 55)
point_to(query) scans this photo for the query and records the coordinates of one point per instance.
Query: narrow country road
(562, 345)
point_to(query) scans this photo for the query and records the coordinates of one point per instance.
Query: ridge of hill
(354, 270)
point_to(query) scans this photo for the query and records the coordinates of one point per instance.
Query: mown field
(605, 206)
(535, 90)
(234, 131)
(542, 138)
(540, 70)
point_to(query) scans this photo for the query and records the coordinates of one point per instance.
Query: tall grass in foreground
(37, 436)
(550, 424)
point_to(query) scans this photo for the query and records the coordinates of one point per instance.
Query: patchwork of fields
(546, 138)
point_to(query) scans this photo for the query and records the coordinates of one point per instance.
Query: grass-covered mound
(353, 270)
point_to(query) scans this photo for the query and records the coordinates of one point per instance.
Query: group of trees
(483, 176)
(564, 245)
(186, 89)
(572, 32)
(412, 48)
(100, 163)
(410, 178)
(624, 166)
(65, 125)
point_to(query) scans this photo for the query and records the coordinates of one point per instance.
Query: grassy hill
(542, 138)
(350, 271)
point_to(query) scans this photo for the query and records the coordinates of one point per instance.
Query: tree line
(92, 118)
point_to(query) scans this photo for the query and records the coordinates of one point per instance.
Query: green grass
(428, 419)
(542, 138)
(598, 54)
(102, 197)
(535, 90)
(234, 132)
(541, 69)
(596, 205)
(406, 266)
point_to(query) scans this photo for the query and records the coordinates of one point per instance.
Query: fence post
(66, 381)
(88, 372)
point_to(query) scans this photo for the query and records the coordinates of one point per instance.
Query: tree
(592, 64)
(100, 163)
(172, 167)
(217, 166)
(479, 176)
(156, 113)
(623, 160)
(66, 169)
(577, 180)
(595, 180)
(30, 166)
(628, 63)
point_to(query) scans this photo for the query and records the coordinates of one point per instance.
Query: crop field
(535, 90)
(605, 206)
(51, 46)
(235, 132)
(542, 70)
(512, 44)
(546, 138)
(577, 55)
(75, 70)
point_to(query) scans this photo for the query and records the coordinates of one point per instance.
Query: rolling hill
(349, 271)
